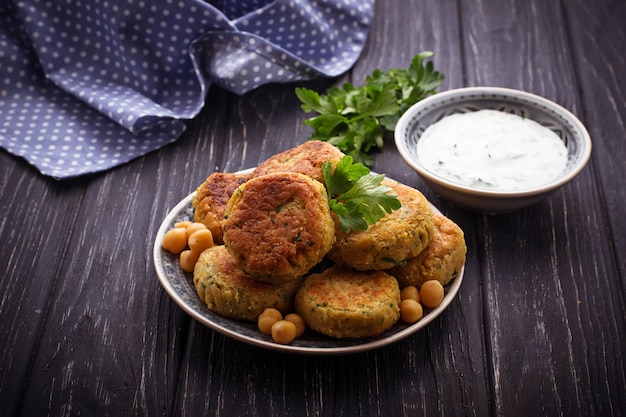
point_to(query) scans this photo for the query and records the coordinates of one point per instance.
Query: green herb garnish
(355, 119)
(357, 197)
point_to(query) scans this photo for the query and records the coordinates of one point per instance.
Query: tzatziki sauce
(492, 150)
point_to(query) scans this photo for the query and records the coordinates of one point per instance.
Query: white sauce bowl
(429, 111)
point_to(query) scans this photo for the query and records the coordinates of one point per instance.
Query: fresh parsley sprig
(357, 197)
(355, 119)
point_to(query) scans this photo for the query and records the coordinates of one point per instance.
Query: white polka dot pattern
(90, 85)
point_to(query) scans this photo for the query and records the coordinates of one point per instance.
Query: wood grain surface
(538, 327)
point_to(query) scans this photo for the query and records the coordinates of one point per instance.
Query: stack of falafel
(279, 245)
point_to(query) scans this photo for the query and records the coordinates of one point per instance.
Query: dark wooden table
(538, 327)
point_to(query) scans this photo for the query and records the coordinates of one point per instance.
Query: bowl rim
(408, 115)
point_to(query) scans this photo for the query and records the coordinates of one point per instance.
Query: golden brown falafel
(209, 201)
(231, 293)
(306, 159)
(277, 226)
(344, 303)
(442, 259)
(400, 235)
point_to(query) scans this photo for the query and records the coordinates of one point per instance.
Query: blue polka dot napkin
(88, 85)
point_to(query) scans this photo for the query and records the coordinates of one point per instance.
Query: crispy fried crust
(306, 159)
(344, 303)
(277, 226)
(398, 236)
(209, 201)
(228, 291)
(442, 259)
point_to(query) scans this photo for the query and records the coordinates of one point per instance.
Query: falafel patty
(209, 201)
(348, 304)
(306, 159)
(278, 226)
(442, 259)
(231, 293)
(400, 235)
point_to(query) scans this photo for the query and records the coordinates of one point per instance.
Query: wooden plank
(538, 330)
(98, 305)
(35, 212)
(598, 31)
(599, 35)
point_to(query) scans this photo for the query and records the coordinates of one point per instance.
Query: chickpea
(175, 240)
(188, 259)
(410, 292)
(267, 318)
(200, 240)
(431, 293)
(283, 332)
(184, 224)
(194, 227)
(411, 311)
(298, 321)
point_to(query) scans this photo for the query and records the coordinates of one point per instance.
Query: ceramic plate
(179, 285)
